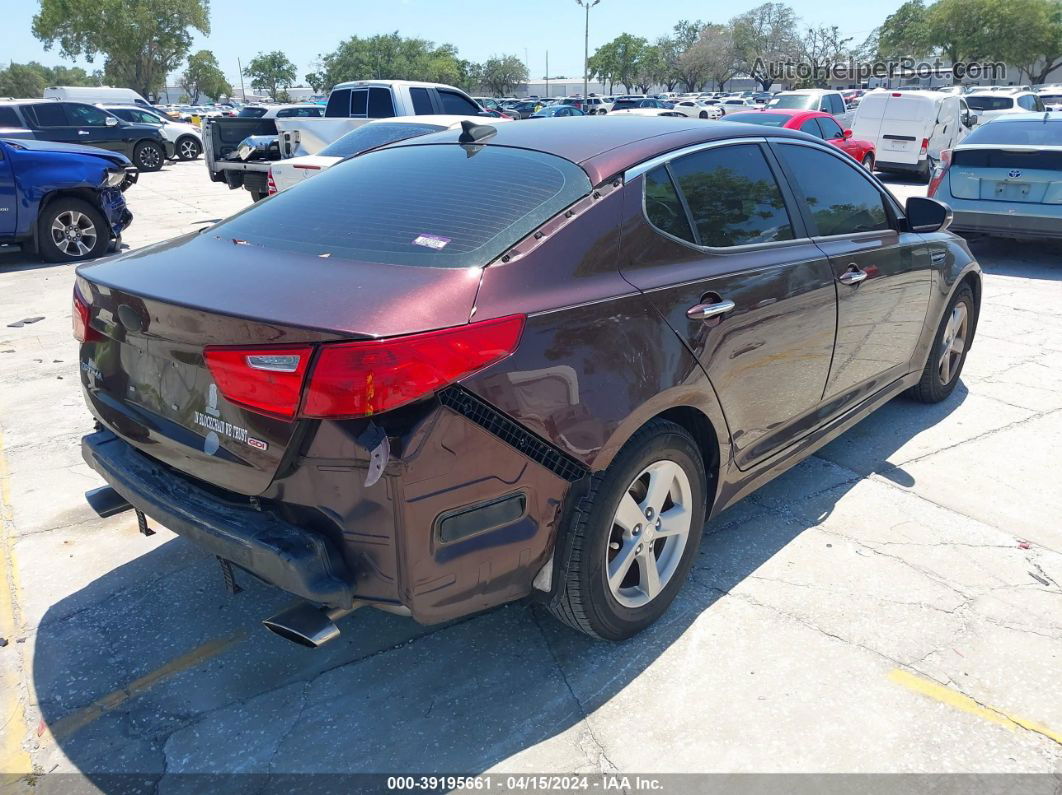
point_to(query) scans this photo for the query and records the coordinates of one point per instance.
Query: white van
(93, 95)
(911, 128)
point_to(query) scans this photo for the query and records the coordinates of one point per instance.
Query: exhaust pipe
(105, 501)
(307, 625)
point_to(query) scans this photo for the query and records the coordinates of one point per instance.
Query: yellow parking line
(75, 721)
(959, 701)
(13, 757)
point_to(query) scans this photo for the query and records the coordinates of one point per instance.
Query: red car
(814, 122)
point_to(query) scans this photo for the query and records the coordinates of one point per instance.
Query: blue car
(1005, 178)
(64, 201)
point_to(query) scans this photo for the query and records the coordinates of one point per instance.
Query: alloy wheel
(649, 532)
(149, 157)
(73, 233)
(188, 149)
(953, 344)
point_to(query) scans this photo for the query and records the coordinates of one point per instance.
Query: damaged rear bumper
(287, 556)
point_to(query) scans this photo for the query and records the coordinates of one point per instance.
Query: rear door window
(8, 117)
(663, 207)
(838, 198)
(733, 197)
(380, 104)
(421, 101)
(432, 205)
(811, 127)
(338, 104)
(50, 114)
(453, 102)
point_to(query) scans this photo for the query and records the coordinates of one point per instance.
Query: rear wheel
(148, 156)
(704, 114)
(71, 230)
(868, 162)
(950, 345)
(188, 148)
(632, 539)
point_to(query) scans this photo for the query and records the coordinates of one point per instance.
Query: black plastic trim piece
(474, 408)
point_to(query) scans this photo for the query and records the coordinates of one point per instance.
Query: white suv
(814, 99)
(989, 104)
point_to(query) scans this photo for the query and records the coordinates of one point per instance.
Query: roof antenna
(472, 132)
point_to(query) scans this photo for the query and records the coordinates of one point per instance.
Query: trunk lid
(147, 379)
(1020, 174)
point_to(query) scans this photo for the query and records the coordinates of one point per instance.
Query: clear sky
(478, 28)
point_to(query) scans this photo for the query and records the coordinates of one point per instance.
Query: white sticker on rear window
(431, 241)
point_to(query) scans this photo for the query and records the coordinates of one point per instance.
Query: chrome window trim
(660, 160)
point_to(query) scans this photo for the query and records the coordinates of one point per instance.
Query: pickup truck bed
(221, 136)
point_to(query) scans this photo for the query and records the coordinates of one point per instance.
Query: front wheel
(950, 346)
(631, 540)
(71, 230)
(189, 148)
(148, 156)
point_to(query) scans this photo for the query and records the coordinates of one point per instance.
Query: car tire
(148, 156)
(704, 114)
(188, 148)
(951, 343)
(258, 195)
(868, 162)
(71, 230)
(598, 536)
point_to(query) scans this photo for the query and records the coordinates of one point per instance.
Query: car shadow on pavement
(1026, 259)
(152, 669)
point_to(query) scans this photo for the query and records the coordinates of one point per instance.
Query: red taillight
(356, 379)
(271, 186)
(938, 174)
(83, 332)
(266, 380)
(925, 146)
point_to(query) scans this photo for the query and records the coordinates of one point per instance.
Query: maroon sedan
(492, 363)
(813, 122)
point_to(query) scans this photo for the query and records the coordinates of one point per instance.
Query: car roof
(1032, 115)
(607, 145)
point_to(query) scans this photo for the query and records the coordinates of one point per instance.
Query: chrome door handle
(82, 132)
(852, 276)
(705, 311)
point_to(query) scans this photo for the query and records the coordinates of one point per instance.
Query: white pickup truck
(353, 104)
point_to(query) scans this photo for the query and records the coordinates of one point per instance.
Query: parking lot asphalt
(892, 604)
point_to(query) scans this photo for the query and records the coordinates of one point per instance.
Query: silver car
(1005, 178)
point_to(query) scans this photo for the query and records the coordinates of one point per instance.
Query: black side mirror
(927, 215)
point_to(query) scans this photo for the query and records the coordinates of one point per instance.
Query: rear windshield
(1017, 133)
(251, 113)
(371, 136)
(442, 205)
(623, 104)
(766, 119)
(990, 103)
(796, 101)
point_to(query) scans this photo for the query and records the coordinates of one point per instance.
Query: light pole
(587, 4)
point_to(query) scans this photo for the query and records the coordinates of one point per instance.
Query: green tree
(22, 80)
(1035, 41)
(141, 41)
(503, 73)
(670, 50)
(766, 34)
(316, 81)
(651, 69)
(721, 61)
(204, 76)
(821, 48)
(392, 57)
(905, 32)
(271, 71)
(619, 58)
